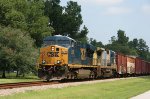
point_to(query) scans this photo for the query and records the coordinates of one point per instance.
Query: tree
(5, 7)
(16, 19)
(12, 13)
(66, 20)
(82, 35)
(122, 39)
(6, 57)
(17, 51)
(142, 45)
(143, 49)
(95, 43)
(121, 44)
(113, 40)
(137, 47)
(27, 15)
(134, 43)
(73, 19)
(54, 11)
(38, 23)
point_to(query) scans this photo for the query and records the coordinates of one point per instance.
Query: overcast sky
(105, 17)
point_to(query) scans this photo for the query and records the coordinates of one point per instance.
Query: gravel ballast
(4, 92)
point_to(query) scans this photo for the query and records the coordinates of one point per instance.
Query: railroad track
(26, 84)
(40, 83)
(36, 83)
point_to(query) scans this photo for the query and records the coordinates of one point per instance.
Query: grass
(2, 81)
(122, 89)
(11, 78)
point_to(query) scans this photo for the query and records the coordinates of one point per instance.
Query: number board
(53, 54)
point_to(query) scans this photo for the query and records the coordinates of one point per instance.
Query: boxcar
(148, 67)
(143, 67)
(138, 66)
(130, 65)
(121, 62)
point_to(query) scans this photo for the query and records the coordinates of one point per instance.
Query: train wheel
(48, 78)
(92, 75)
(102, 74)
(70, 75)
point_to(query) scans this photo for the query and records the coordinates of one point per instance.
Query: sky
(104, 18)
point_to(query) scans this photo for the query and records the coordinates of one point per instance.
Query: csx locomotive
(61, 57)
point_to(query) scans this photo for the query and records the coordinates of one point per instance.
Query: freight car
(61, 57)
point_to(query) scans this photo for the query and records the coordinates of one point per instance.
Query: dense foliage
(26, 19)
(66, 20)
(26, 15)
(16, 51)
(96, 43)
(135, 47)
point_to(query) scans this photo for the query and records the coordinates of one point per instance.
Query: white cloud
(110, 7)
(101, 2)
(108, 2)
(146, 9)
(117, 11)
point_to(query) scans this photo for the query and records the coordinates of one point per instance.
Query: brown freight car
(121, 61)
(138, 66)
(148, 67)
(130, 65)
(143, 67)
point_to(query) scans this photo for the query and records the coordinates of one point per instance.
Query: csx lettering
(52, 54)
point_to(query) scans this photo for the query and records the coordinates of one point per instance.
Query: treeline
(121, 43)
(24, 24)
(66, 20)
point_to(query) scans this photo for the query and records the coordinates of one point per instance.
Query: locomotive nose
(53, 55)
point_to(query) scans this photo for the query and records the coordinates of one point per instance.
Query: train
(62, 57)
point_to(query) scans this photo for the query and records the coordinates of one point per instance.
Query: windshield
(49, 42)
(64, 43)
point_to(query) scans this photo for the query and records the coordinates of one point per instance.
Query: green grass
(122, 89)
(2, 81)
(11, 78)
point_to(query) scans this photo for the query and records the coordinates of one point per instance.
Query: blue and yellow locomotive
(61, 57)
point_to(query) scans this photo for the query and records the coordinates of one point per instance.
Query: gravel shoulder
(4, 92)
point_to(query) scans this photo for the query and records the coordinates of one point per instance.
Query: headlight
(43, 61)
(52, 48)
(58, 61)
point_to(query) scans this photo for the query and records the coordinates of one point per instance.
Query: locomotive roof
(58, 37)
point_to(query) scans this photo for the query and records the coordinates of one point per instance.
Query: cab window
(72, 43)
(65, 43)
(49, 42)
